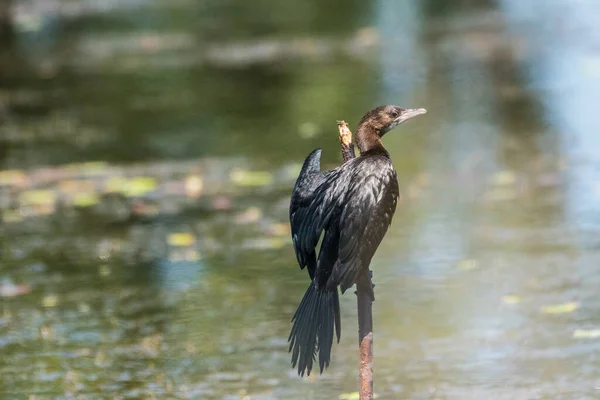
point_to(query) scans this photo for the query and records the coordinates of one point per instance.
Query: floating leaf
(353, 396)
(12, 177)
(251, 178)
(561, 308)
(140, 186)
(511, 299)
(50, 301)
(193, 186)
(467, 264)
(91, 168)
(181, 239)
(504, 178)
(85, 199)
(586, 333)
(84, 308)
(37, 197)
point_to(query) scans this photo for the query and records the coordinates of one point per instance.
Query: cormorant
(353, 204)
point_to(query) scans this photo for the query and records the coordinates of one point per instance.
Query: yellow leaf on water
(85, 199)
(586, 333)
(181, 239)
(467, 264)
(511, 299)
(504, 178)
(561, 308)
(50, 301)
(140, 186)
(353, 396)
(251, 178)
(12, 177)
(91, 168)
(193, 186)
(37, 197)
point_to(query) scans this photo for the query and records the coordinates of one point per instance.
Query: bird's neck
(368, 141)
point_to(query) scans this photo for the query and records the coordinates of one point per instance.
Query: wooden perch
(363, 296)
(346, 141)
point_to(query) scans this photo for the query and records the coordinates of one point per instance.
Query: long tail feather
(314, 322)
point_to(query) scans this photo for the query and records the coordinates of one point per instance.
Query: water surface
(148, 153)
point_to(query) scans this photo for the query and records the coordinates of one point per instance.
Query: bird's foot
(365, 285)
(371, 286)
(371, 292)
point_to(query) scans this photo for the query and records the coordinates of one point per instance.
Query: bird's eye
(394, 114)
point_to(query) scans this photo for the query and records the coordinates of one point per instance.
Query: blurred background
(147, 154)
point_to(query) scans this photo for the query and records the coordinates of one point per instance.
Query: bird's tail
(312, 333)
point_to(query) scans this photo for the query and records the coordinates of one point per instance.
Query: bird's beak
(410, 113)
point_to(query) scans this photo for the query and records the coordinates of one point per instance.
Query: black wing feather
(354, 204)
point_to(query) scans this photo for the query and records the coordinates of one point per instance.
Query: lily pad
(37, 197)
(586, 334)
(511, 299)
(181, 239)
(467, 264)
(564, 308)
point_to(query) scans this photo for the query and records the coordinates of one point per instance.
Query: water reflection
(166, 269)
(564, 68)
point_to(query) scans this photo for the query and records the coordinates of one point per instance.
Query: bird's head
(385, 118)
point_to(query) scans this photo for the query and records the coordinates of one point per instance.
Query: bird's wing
(314, 201)
(367, 214)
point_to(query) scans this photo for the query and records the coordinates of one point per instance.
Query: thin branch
(364, 290)
(346, 141)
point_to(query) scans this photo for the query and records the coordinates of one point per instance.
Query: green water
(486, 283)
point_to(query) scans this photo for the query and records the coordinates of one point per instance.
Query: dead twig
(363, 297)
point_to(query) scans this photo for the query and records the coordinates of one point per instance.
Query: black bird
(353, 204)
